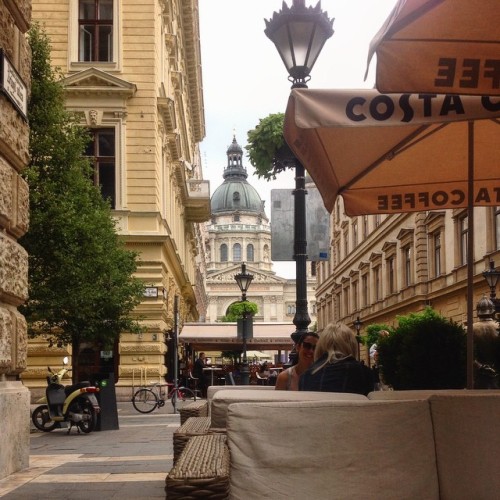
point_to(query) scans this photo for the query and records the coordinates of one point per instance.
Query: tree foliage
(425, 351)
(81, 284)
(264, 142)
(236, 309)
(372, 332)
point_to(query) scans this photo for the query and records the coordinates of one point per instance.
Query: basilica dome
(235, 193)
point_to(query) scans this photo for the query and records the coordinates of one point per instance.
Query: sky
(245, 80)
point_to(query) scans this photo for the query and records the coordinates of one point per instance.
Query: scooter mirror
(65, 360)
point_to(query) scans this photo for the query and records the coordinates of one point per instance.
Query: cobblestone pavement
(128, 463)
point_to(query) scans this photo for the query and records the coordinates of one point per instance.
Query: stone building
(15, 68)
(239, 231)
(133, 74)
(382, 266)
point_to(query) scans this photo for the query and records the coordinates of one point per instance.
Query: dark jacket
(347, 375)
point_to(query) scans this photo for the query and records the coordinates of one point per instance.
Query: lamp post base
(245, 374)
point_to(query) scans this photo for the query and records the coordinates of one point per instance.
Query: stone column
(14, 137)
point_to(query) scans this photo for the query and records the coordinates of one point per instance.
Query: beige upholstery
(216, 388)
(467, 437)
(332, 450)
(222, 399)
(425, 394)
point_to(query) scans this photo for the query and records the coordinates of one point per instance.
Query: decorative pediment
(227, 276)
(93, 81)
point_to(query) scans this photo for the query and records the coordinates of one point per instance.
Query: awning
(222, 336)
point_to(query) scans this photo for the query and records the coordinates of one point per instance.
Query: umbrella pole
(470, 258)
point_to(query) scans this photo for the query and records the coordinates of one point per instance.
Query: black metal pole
(301, 319)
(245, 371)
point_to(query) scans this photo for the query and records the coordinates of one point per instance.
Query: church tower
(239, 230)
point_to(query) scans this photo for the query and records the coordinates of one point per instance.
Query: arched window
(250, 252)
(223, 253)
(237, 252)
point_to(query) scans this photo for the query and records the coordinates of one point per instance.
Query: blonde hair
(338, 341)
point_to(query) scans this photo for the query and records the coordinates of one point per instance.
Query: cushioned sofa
(440, 446)
(399, 445)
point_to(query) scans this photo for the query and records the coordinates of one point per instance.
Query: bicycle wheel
(145, 401)
(182, 396)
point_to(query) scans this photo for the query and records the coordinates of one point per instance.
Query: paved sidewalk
(129, 463)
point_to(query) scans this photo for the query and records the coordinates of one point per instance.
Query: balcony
(197, 203)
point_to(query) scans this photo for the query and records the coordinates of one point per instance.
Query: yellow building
(15, 66)
(382, 266)
(133, 74)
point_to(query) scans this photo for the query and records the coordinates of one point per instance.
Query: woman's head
(305, 348)
(338, 341)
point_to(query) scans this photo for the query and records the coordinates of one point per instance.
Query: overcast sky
(245, 80)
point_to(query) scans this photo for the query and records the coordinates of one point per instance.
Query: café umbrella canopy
(393, 153)
(439, 46)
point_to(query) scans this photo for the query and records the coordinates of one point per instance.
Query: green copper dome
(235, 193)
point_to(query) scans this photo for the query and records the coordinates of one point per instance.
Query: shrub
(426, 351)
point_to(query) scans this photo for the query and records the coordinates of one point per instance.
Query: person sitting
(335, 367)
(288, 380)
(198, 373)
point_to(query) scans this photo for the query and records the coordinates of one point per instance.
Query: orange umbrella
(439, 46)
(400, 153)
(396, 153)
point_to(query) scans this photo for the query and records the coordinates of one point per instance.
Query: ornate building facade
(239, 231)
(15, 67)
(133, 75)
(382, 266)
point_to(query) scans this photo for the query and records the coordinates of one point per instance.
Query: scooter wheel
(41, 419)
(90, 422)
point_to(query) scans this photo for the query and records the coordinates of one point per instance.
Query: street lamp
(243, 279)
(358, 324)
(299, 33)
(492, 277)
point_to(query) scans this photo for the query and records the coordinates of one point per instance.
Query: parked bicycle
(147, 399)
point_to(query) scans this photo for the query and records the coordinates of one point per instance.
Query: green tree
(81, 284)
(236, 309)
(371, 333)
(267, 150)
(425, 351)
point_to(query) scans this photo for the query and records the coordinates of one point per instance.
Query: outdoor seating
(417, 444)
(197, 408)
(202, 471)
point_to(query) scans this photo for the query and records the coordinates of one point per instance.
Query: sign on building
(12, 85)
(282, 225)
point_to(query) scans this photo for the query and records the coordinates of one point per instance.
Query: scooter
(75, 404)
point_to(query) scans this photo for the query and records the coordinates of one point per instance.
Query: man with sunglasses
(288, 380)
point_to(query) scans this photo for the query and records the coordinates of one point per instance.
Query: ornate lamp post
(299, 33)
(492, 277)
(358, 324)
(243, 279)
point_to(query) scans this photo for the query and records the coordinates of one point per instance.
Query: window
(391, 275)
(355, 301)
(365, 227)
(237, 252)
(436, 249)
(236, 218)
(407, 265)
(377, 220)
(290, 309)
(346, 243)
(377, 283)
(354, 234)
(95, 30)
(463, 228)
(223, 253)
(101, 151)
(364, 289)
(250, 256)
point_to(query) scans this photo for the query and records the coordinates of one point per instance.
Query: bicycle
(146, 400)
